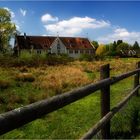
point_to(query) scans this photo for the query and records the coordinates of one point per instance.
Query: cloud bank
(120, 33)
(71, 27)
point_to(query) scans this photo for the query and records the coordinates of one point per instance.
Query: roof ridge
(52, 36)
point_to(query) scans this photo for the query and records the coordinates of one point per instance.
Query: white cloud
(11, 12)
(75, 25)
(23, 12)
(121, 34)
(47, 17)
(17, 27)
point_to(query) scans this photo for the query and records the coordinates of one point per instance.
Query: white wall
(54, 47)
(77, 55)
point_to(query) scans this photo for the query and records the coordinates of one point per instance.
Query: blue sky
(104, 21)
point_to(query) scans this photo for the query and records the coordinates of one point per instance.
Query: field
(24, 85)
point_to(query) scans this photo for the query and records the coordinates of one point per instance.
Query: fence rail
(20, 116)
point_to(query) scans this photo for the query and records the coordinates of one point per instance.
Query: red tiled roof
(76, 43)
(38, 42)
(44, 42)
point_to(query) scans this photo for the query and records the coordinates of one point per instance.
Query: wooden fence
(20, 116)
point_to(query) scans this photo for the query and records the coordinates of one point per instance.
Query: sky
(103, 21)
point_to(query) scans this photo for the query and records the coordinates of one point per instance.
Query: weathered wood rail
(20, 116)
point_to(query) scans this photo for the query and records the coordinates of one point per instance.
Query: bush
(53, 59)
(25, 77)
(86, 57)
(33, 60)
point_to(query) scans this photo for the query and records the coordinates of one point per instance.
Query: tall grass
(62, 78)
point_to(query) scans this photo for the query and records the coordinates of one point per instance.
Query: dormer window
(83, 42)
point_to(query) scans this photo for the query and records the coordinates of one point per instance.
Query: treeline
(117, 48)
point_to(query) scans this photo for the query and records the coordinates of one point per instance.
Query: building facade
(72, 46)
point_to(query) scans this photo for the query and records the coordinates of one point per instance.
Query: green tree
(114, 46)
(122, 46)
(136, 45)
(7, 28)
(119, 42)
(111, 49)
(95, 44)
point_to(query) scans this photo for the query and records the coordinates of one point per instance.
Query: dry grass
(66, 77)
(122, 65)
(61, 78)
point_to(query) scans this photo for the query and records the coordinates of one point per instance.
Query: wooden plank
(105, 100)
(136, 78)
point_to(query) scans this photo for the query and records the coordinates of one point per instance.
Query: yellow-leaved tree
(101, 50)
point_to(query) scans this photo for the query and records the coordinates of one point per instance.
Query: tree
(95, 44)
(136, 45)
(122, 47)
(119, 42)
(114, 46)
(101, 50)
(111, 49)
(7, 29)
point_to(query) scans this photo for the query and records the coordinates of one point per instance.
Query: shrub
(86, 57)
(53, 59)
(4, 84)
(25, 77)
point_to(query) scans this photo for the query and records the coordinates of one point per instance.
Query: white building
(73, 46)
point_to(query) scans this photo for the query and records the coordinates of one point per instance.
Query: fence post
(136, 78)
(105, 100)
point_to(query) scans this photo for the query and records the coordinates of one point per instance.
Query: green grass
(72, 121)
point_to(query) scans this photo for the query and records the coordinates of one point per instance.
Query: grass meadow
(23, 85)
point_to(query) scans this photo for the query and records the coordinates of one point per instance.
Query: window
(49, 50)
(87, 51)
(81, 51)
(38, 51)
(76, 51)
(83, 42)
(58, 48)
(91, 51)
(58, 51)
(70, 51)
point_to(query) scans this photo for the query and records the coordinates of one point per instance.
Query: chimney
(25, 36)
